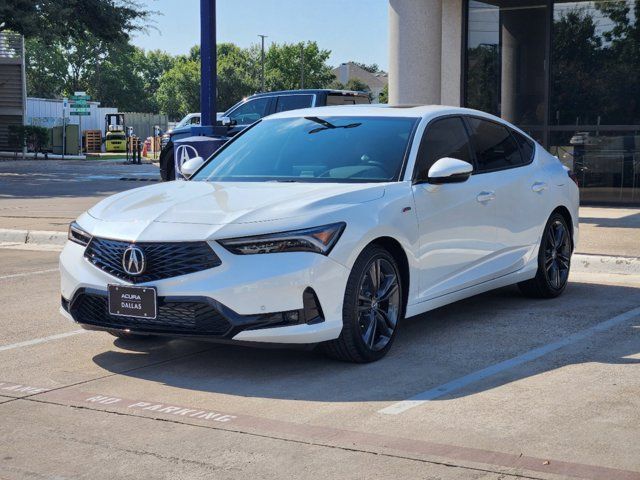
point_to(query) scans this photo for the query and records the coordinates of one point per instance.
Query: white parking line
(534, 354)
(26, 274)
(36, 341)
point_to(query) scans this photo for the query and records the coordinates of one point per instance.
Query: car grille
(163, 260)
(187, 318)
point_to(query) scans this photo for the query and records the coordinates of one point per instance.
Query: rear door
(457, 227)
(504, 160)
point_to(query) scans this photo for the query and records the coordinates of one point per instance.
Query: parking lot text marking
(36, 341)
(160, 408)
(529, 356)
(19, 388)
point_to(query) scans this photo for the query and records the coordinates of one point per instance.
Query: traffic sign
(80, 113)
(80, 101)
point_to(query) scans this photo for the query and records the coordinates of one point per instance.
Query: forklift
(115, 133)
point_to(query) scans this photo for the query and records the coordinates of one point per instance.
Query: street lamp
(262, 37)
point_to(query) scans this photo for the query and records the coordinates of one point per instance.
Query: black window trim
(421, 147)
(476, 171)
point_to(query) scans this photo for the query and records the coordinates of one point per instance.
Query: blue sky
(351, 29)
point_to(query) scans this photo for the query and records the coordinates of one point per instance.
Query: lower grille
(187, 318)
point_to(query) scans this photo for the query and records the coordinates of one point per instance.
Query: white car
(327, 226)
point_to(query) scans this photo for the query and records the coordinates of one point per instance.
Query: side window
(494, 146)
(251, 111)
(293, 102)
(194, 121)
(527, 147)
(443, 138)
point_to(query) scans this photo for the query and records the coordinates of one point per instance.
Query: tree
(179, 90)
(384, 94)
(47, 69)
(49, 20)
(373, 68)
(284, 61)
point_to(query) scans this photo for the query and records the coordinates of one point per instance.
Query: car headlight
(317, 239)
(78, 235)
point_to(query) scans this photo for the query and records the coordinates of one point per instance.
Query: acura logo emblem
(133, 260)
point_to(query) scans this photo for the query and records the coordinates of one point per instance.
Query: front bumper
(243, 299)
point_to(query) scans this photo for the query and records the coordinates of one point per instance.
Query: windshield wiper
(328, 125)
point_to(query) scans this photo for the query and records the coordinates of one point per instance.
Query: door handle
(539, 187)
(484, 197)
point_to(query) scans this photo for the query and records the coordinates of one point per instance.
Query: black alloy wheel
(372, 309)
(554, 261)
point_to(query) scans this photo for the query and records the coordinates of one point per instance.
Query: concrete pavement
(86, 405)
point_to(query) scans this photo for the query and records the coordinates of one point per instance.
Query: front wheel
(554, 261)
(373, 306)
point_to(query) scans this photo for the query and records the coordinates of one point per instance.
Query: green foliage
(34, 138)
(384, 95)
(179, 90)
(283, 65)
(55, 20)
(373, 68)
(117, 74)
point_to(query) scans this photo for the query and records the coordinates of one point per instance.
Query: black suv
(255, 107)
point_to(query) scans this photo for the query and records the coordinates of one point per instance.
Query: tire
(167, 164)
(554, 261)
(369, 328)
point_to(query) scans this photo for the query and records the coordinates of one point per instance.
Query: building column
(415, 51)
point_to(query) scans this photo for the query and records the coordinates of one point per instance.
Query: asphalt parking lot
(494, 387)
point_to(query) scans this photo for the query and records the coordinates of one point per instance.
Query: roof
(382, 110)
(374, 110)
(349, 70)
(308, 92)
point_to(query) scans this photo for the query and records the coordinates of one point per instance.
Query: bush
(34, 138)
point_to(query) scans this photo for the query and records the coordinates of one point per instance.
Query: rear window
(495, 148)
(527, 147)
(293, 102)
(338, 99)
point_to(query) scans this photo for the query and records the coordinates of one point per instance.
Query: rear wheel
(554, 261)
(373, 306)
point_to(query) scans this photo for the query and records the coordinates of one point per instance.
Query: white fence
(46, 112)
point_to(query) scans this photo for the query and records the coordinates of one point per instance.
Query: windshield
(188, 120)
(313, 149)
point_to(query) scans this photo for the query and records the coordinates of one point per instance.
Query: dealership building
(568, 73)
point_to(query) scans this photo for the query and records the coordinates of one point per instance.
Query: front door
(457, 224)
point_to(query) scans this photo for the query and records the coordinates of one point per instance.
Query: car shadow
(628, 221)
(430, 350)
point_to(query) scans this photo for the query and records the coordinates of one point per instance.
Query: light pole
(262, 37)
(208, 68)
(302, 66)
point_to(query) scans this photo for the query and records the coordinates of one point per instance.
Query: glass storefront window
(607, 163)
(568, 73)
(505, 60)
(595, 63)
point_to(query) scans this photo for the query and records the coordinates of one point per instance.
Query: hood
(223, 203)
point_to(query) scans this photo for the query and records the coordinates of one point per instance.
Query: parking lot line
(534, 354)
(36, 341)
(26, 274)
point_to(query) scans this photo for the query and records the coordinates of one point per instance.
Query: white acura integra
(327, 226)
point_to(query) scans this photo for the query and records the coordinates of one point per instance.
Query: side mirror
(189, 167)
(227, 121)
(450, 170)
